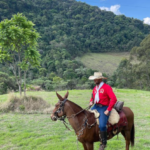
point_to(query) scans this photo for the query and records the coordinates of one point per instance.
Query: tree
(142, 53)
(123, 75)
(135, 72)
(42, 72)
(18, 46)
(6, 83)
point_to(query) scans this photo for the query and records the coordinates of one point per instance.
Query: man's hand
(106, 112)
(91, 103)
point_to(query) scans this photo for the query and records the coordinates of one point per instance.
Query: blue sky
(139, 9)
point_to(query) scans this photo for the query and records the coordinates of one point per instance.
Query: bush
(7, 83)
(39, 82)
(111, 83)
(83, 86)
(49, 86)
(22, 107)
(71, 84)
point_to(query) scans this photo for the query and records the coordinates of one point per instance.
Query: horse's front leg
(90, 146)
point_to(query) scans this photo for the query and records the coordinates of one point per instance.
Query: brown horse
(83, 123)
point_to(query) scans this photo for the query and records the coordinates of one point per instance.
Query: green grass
(38, 132)
(104, 62)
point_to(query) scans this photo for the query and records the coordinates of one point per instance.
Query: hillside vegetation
(135, 75)
(37, 131)
(104, 62)
(69, 29)
(77, 27)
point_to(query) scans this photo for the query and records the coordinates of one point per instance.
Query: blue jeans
(103, 119)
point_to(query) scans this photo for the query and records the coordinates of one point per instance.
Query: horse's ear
(66, 95)
(59, 97)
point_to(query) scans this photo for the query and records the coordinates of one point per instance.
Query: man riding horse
(84, 123)
(104, 100)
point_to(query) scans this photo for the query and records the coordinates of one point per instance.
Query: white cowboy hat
(97, 75)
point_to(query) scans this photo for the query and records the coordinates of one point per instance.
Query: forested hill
(77, 27)
(69, 29)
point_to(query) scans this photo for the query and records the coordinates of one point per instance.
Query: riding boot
(100, 137)
(103, 140)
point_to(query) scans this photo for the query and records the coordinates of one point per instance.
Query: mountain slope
(104, 62)
(69, 29)
(77, 27)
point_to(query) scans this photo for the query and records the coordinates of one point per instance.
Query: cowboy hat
(97, 75)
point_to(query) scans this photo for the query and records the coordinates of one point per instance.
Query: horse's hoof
(102, 147)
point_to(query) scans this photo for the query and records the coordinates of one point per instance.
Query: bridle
(62, 118)
(61, 108)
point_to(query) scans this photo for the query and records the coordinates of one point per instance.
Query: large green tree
(142, 53)
(18, 47)
(135, 72)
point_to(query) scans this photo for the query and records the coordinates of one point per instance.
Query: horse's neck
(71, 110)
(74, 107)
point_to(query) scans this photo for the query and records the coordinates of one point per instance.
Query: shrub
(83, 86)
(22, 107)
(7, 83)
(39, 82)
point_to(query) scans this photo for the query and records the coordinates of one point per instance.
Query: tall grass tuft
(25, 104)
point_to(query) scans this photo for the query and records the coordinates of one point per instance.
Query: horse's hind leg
(90, 146)
(127, 137)
(84, 145)
(123, 133)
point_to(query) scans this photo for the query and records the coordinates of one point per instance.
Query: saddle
(115, 129)
(116, 121)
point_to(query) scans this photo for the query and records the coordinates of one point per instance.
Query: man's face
(97, 81)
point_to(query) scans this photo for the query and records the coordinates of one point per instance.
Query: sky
(138, 9)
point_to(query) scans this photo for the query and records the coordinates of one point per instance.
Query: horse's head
(58, 111)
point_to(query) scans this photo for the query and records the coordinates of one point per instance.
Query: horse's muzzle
(54, 118)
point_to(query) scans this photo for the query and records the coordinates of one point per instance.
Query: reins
(74, 115)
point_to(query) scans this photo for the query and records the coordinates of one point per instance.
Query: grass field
(38, 132)
(104, 62)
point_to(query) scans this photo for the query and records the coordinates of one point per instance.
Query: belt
(100, 105)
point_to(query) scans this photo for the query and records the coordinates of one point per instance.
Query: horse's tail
(132, 135)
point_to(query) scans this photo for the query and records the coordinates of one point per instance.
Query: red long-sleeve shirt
(106, 95)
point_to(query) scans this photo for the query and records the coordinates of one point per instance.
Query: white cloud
(114, 9)
(104, 8)
(146, 20)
